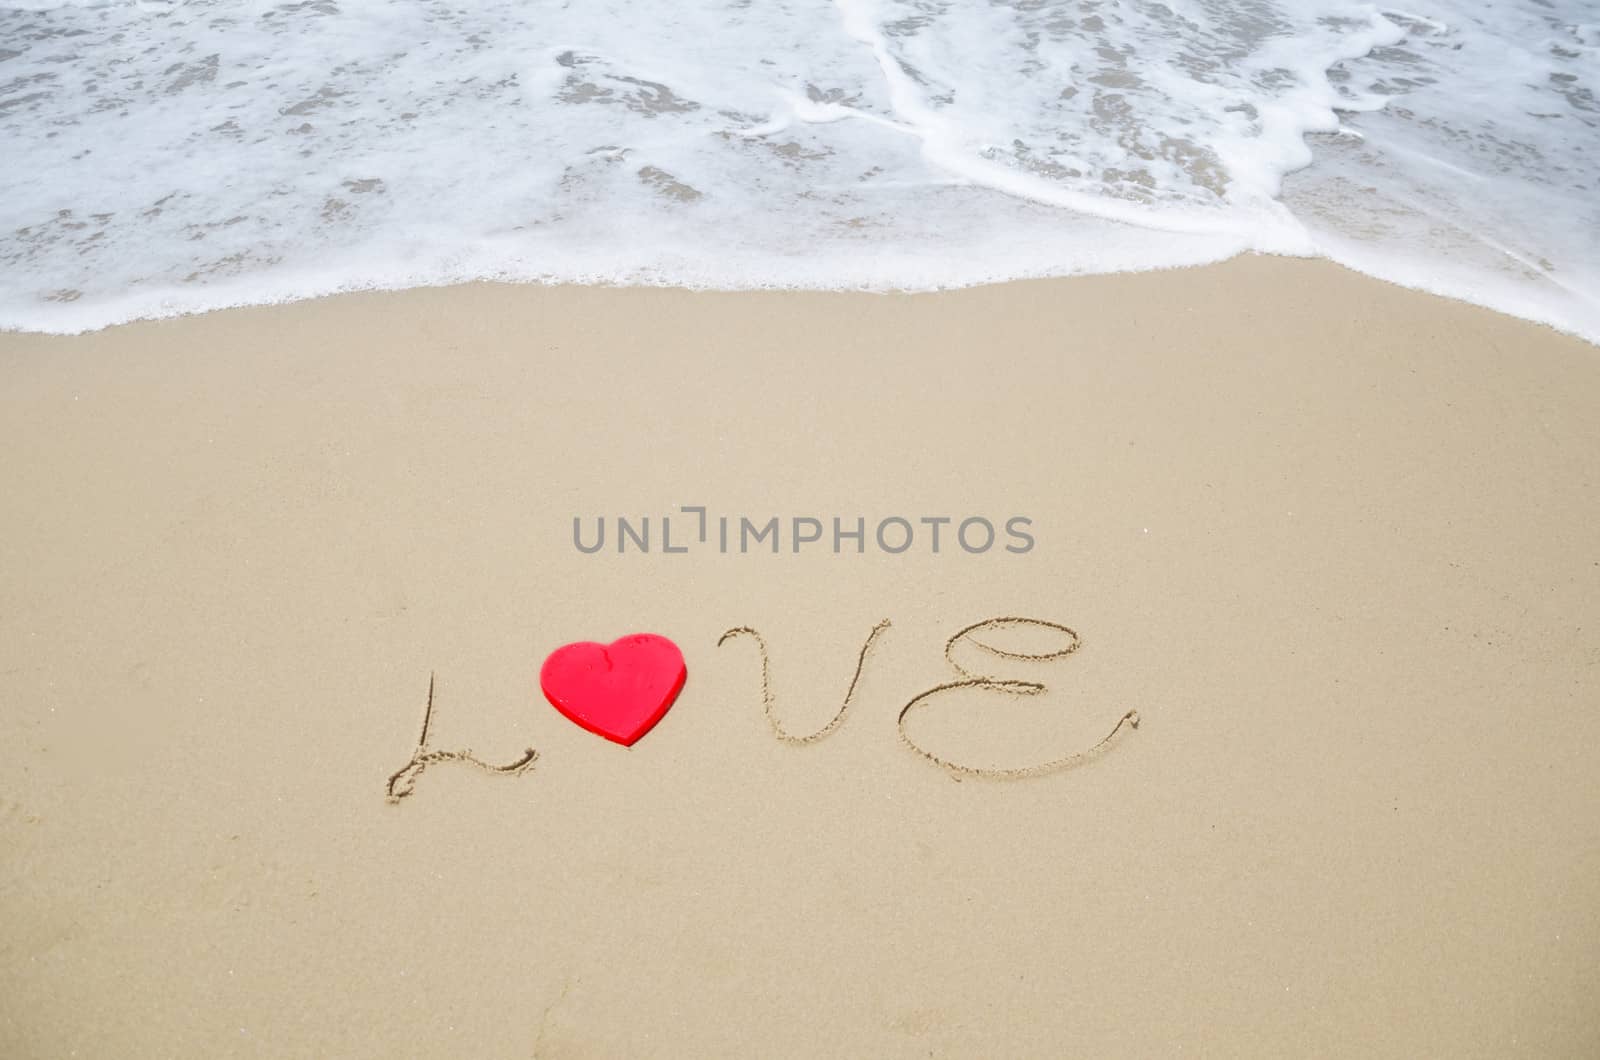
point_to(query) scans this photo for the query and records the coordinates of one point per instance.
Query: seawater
(165, 157)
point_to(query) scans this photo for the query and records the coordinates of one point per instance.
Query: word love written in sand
(621, 690)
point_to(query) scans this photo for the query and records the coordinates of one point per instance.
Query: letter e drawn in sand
(1008, 687)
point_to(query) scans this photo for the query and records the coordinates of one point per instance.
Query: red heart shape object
(617, 690)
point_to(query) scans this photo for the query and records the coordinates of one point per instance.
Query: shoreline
(292, 296)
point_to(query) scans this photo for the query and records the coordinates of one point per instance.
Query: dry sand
(1336, 542)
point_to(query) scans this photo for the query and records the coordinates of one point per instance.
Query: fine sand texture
(1336, 543)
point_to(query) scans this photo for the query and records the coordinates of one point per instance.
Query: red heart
(617, 690)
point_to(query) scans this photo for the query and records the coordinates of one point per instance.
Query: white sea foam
(164, 157)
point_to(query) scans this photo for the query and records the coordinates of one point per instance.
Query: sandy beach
(1334, 541)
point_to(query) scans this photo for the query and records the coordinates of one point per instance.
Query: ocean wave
(176, 157)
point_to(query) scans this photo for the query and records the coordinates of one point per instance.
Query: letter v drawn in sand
(769, 707)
